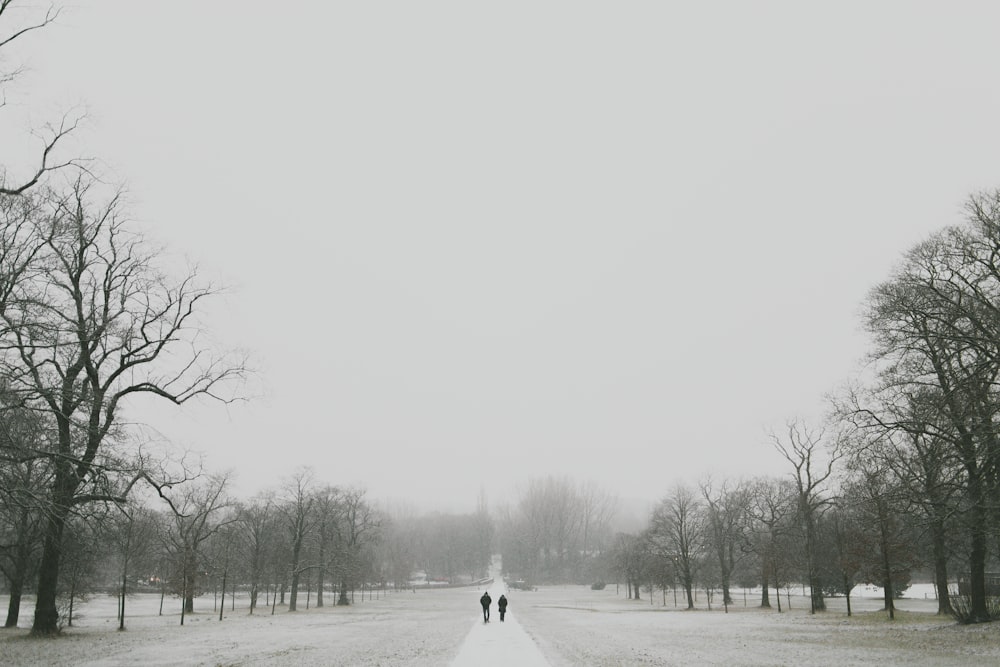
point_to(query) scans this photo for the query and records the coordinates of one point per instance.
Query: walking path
(497, 644)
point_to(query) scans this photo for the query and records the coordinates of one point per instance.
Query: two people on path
(501, 605)
(485, 601)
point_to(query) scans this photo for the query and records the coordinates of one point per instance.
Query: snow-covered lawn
(571, 625)
(577, 626)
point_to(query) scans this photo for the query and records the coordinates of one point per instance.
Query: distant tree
(222, 558)
(199, 510)
(297, 515)
(83, 548)
(803, 448)
(725, 511)
(327, 509)
(628, 554)
(255, 518)
(555, 528)
(677, 531)
(770, 509)
(359, 526)
(845, 535)
(131, 530)
(485, 530)
(889, 551)
(908, 428)
(400, 548)
(597, 508)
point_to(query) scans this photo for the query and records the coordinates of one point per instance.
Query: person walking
(502, 606)
(485, 601)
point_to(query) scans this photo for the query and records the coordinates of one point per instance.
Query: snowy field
(567, 625)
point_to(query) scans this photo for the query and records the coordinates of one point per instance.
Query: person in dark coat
(485, 601)
(502, 606)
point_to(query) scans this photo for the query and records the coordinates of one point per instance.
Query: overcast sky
(473, 243)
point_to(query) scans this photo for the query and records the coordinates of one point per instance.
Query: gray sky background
(471, 243)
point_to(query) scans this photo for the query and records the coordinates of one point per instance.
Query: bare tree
(771, 507)
(200, 509)
(629, 560)
(485, 530)
(597, 508)
(936, 329)
(725, 507)
(299, 519)
(887, 550)
(97, 325)
(399, 540)
(812, 468)
(255, 518)
(132, 531)
(327, 509)
(359, 526)
(83, 549)
(907, 428)
(846, 535)
(677, 531)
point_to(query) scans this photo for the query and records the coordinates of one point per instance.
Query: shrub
(961, 609)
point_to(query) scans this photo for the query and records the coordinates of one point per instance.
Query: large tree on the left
(90, 322)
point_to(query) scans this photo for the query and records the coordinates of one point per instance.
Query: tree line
(904, 473)
(305, 538)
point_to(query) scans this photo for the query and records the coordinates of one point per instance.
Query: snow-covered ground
(567, 625)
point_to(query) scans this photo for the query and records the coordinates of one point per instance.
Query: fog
(466, 246)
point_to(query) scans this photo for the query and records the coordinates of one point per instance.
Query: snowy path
(495, 643)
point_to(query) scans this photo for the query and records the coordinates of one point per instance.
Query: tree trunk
(847, 592)
(765, 596)
(72, 597)
(319, 574)
(189, 580)
(222, 605)
(121, 606)
(887, 593)
(977, 553)
(977, 571)
(14, 605)
(46, 613)
(724, 570)
(688, 587)
(941, 568)
(342, 600)
(293, 596)
(816, 601)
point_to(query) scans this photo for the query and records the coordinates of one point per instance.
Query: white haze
(470, 244)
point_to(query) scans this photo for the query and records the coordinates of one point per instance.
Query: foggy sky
(468, 245)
